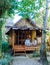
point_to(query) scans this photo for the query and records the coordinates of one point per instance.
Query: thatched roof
(15, 26)
(25, 26)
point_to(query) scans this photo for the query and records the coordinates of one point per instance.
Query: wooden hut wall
(13, 38)
(10, 38)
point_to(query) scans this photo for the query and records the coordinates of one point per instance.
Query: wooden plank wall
(13, 38)
(10, 38)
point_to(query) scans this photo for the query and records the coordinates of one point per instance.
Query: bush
(36, 54)
(5, 46)
(6, 60)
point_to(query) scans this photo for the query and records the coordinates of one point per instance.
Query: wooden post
(33, 34)
(13, 37)
(13, 40)
(18, 36)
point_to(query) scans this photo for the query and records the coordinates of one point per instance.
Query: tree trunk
(43, 55)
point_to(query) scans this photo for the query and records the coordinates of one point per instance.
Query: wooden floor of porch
(24, 48)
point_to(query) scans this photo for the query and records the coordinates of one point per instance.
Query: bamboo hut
(19, 32)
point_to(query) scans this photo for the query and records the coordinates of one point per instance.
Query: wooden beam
(13, 38)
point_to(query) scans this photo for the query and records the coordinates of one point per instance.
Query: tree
(43, 45)
(8, 6)
(0, 37)
(29, 7)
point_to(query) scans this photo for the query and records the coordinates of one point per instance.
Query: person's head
(29, 36)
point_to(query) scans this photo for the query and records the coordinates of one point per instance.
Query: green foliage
(7, 5)
(5, 46)
(28, 8)
(48, 33)
(6, 60)
(36, 54)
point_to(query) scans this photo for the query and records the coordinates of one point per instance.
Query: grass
(36, 54)
(33, 54)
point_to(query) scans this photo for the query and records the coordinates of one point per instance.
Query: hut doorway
(21, 35)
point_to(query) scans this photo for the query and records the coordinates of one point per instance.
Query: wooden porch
(24, 48)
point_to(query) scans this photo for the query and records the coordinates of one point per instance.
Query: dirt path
(23, 60)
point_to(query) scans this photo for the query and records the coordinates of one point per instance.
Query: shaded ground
(28, 60)
(24, 60)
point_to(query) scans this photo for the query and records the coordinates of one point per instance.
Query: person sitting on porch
(34, 42)
(28, 41)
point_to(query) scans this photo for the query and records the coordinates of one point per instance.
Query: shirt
(27, 42)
